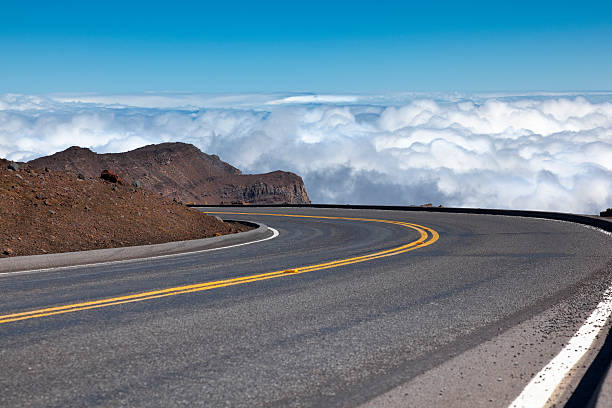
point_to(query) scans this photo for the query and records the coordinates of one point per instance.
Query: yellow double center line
(427, 237)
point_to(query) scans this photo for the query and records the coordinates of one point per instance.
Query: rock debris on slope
(48, 211)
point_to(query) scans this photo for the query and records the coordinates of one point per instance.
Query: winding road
(342, 308)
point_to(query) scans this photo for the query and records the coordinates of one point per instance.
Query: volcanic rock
(110, 176)
(36, 209)
(181, 171)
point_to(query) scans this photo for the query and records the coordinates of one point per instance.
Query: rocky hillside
(181, 171)
(47, 211)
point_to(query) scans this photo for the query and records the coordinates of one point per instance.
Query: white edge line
(275, 234)
(608, 233)
(542, 386)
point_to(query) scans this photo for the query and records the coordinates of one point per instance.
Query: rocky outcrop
(110, 176)
(279, 186)
(182, 172)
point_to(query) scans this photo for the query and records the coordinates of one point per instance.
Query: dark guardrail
(592, 220)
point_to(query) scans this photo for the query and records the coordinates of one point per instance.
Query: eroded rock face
(181, 171)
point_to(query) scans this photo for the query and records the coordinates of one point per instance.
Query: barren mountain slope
(183, 172)
(58, 211)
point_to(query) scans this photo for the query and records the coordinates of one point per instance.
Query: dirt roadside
(44, 211)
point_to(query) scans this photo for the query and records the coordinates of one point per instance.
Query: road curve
(339, 310)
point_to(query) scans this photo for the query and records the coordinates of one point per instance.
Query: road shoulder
(99, 256)
(494, 373)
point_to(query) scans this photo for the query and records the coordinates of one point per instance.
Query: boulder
(111, 177)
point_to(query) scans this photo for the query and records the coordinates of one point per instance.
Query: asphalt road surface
(332, 312)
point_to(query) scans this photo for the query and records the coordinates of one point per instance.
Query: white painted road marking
(543, 385)
(274, 235)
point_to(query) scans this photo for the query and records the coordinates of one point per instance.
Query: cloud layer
(545, 152)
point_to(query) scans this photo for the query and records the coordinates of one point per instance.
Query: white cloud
(314, 99)
(547, 152)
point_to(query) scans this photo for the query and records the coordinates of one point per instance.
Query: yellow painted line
(427, 236)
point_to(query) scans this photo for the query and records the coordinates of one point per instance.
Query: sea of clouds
(536, 151)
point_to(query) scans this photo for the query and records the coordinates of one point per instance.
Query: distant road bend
(343, 308)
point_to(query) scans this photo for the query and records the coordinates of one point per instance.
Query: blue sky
(312, 46)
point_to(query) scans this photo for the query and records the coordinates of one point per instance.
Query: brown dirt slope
(58, 211)
(183, 172)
